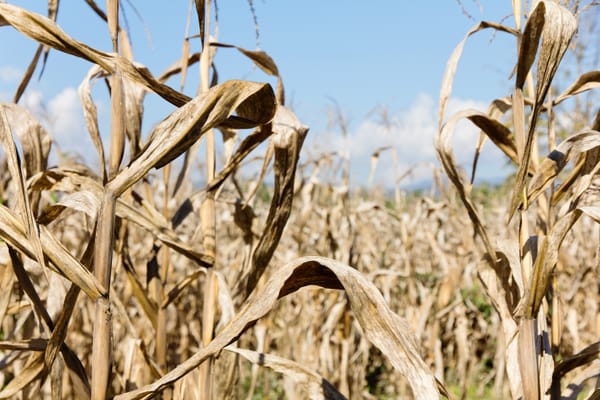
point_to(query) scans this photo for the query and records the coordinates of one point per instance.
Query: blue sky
(361, 55)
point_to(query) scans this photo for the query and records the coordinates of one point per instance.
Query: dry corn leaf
(448, 79)
(58, 331)
(265, 63)
(554, 25)
(252, 102)
(52, 13)
(28, 74)
(506, 139)
(251, 142)
(585, 166)
(200, 11)
(179, 286)
(316, 386)
(23, 203)
(117, 122)
(7, 279)
(61, 260)
(382, 327)
(36, 344)
(134, 110)
(27, 286)
(92, 4)
(587, 81)
(178, 67)
(591, 211)
(32, 369)
(83, 201)
(57, 342)
(497, 132)
(69, 178)
(47, 32)
(548, 254)
(568, 182)
(33, 138)
(90, 114)
(139, 291)
(545, 263)
(443, 145)
(288, 137)
(585, 356)
(554, 163)
(74, 181)
(163, 232)
(503, 290)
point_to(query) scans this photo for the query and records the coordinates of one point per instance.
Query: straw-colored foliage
(129, 282)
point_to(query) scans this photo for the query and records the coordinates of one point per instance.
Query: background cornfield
(129, 282)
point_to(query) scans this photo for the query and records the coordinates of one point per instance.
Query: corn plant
(547, 200)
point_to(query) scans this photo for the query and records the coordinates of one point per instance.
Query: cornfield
(129, 281)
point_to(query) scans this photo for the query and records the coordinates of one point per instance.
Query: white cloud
(10, 74)
(62, 116)
(411, 133)
(65, 114)
(33, 100)
(67, 125)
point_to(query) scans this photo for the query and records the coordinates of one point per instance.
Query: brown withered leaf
(450, 72)
(554, 26)
(47, 32)
(87, 201)
(263, 61)
(545, 263)
(31, 370)
(58, 331)
(252, 141)
(253, 104)
(28, 74)
(23, 203)
(588, 354)
(558, 158)
(443, 145)
(382, 327)
(83, 201)
(60, 259)
(288, 137)
(90, 114)
(34, 139)
(139, 291)
(587, 81)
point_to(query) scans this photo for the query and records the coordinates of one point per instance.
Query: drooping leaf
(558, 158)
(265, 63)
(450, 72)
(382, 327)
(554, 26)
(253, 103)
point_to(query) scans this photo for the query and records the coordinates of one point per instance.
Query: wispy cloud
(10, 74)
(62, 116)
(411, 134)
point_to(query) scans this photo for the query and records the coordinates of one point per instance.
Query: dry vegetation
(132, 283)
